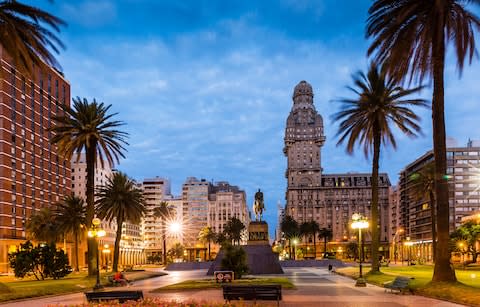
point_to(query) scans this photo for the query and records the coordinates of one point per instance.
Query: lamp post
(359, 222)
(97, 232)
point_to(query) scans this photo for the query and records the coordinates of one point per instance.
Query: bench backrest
(251, 292)
(401, 281)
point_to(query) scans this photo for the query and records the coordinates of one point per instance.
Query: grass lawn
(211, 284)
(465, 291)
(12, 288)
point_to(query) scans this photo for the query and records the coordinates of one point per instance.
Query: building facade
(33, 175)
(329, 199)
(227, 201)
(195, 207)
(463, 171)
(155, 191)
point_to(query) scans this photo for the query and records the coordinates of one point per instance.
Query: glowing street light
(359, 222)
(97, 232)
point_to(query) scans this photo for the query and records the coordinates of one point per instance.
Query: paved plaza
(315, 287)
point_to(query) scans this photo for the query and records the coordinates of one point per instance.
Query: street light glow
(175, 227)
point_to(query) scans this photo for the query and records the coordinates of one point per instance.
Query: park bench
(253, 292)
(120, 296)
(399, 284)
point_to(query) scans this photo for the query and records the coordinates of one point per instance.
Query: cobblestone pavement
(315, 287)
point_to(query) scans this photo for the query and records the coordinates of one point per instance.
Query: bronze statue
(258, 205)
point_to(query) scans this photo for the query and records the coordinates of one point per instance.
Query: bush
(42, 261)
(235, 259)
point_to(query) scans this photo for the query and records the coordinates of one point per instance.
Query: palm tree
(326, 234)
(122, 201)
(367, 119)
(25, 38)
(207, 235)
(88, 127)
(163, 212)
(410, 38)
(290, 230)
(41, 226)
(423, 187)
(234, 230)
(70, 218)
(310, 228)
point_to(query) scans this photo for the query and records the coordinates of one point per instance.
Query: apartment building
(33, 175)
(463, 171)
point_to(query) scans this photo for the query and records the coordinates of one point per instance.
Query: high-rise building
(329, 199)
(33, 174)
(463, 171)
(155, 191)
(195, 209)
(227, 201)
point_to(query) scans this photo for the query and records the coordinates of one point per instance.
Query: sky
(205, 87)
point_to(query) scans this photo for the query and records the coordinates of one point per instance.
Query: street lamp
(97, 232)
(359, 222)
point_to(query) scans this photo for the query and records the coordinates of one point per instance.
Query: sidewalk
(315, 287)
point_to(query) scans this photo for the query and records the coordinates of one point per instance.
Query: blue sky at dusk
(205, 87)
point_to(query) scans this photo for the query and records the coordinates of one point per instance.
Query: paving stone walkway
(315, 287)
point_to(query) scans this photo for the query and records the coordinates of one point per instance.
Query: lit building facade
(328, 199)
(225, 202)
(463, 170)
(33, 175)
(155, 191)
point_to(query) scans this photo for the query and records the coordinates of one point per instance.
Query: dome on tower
(303, 88)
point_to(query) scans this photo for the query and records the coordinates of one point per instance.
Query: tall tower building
(33, 175)
(328, 199)
(303, 141)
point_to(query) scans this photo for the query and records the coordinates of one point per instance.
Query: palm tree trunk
(91, 244)
(434, 224)
(116, 248)
(75, 234)
(324, 245)
(443, 271)
(314, 246)
(164, 243)
(209, 250)
(374, 209)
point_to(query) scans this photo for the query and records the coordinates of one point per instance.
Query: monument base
(260, 257)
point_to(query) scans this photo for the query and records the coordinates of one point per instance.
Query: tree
(235, 259)
(163, 212)
(88, 127)
(176, 251)
(410, 38)
(207, 235)
(310, 228)
(469, 234)
(367, 120)
(290, 230)
(234, 229)
(42, 261)
(326, 234)
(221, 239)
(70, 219)
(424, 188)
(352, 250)
(24, 36)
(41, 226)
(122, 201)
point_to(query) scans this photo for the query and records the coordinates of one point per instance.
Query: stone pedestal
(260, 257)
(258, 233)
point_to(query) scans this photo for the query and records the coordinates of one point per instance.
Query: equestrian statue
(258, 205)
